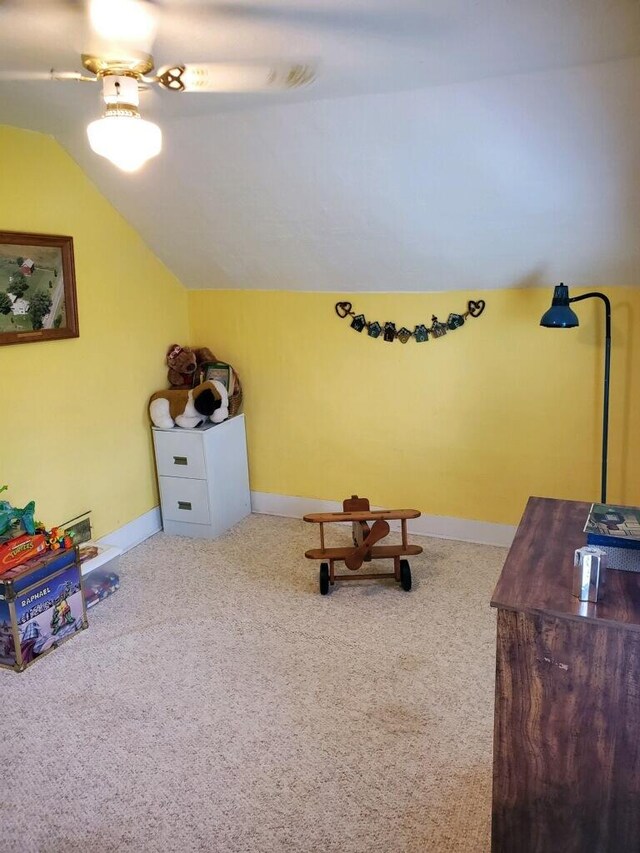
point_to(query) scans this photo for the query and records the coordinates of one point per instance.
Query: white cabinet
(203, 477)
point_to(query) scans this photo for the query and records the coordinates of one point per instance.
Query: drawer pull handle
(184, 505)
(180, 460)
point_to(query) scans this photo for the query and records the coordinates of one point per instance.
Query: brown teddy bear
(203, 354)
(182, 364)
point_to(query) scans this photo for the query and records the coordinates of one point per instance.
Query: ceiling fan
(121, 38)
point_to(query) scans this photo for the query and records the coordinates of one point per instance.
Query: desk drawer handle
(180, 460)
(184, 505)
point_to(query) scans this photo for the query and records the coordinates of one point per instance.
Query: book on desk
(616, 529)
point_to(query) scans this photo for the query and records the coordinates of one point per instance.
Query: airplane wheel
(324, 578)
(405, 575)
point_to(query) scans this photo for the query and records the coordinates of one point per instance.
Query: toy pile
(22, 538)
(98, 585)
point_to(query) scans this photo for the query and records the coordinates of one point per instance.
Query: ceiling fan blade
(236, 76)
(330, 16)
(19, 76)
(55, 27)
(32, 6)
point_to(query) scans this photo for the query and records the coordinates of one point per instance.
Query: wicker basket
(235, 400)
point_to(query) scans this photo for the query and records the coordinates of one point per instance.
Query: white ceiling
(446, 144)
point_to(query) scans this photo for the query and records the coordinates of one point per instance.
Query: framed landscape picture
(37, 288)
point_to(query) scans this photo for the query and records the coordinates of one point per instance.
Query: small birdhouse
(389, 332)
(438, 329)
(358, 323)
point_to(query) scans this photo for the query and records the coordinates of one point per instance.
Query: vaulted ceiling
(445, 144)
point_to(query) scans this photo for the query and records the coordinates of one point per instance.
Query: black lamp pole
(561, 316)
(607, 370)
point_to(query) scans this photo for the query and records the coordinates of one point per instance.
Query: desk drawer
(184, 500)
(179, 454)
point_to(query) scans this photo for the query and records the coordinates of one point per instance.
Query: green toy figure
(62, 615)
(11, 516)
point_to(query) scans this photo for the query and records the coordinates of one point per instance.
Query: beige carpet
(218, 703)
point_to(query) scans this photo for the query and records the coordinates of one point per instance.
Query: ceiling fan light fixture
(123, 22)
(124, 138)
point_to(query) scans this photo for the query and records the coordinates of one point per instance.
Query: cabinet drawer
(179, 454)
(184, 500)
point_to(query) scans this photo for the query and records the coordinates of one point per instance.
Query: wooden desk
(566, 753)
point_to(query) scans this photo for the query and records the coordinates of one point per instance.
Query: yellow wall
(74, 431)
(466, 426)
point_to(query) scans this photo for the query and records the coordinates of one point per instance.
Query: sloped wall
(74, 431)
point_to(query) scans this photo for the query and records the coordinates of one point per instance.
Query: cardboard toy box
(41, 605)
(19, 550)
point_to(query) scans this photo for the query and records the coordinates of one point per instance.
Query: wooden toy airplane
(356, 511)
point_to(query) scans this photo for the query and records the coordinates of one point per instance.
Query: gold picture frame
(38, 299)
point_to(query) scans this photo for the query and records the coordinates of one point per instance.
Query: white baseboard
(289, 506)
(127, 537)
(440, 526)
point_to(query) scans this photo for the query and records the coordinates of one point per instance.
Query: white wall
(517, 181)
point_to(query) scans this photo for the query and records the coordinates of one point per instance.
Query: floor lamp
(560, 316)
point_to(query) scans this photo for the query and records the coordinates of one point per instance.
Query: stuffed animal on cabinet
(203, 354)
(187, 408)
(182, 364)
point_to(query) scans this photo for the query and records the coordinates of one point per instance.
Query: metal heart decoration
(343, 308)
(476, 308)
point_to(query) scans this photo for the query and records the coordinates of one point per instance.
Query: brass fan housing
(131, 65)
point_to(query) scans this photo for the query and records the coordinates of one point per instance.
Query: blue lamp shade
(560, 316)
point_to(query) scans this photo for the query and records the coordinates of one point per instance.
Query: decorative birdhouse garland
(421, 333)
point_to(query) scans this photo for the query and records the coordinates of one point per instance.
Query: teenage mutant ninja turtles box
(41, 605)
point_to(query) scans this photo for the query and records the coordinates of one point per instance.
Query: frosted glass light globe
(128, 141)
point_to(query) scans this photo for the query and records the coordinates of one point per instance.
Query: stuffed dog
(188, 408)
